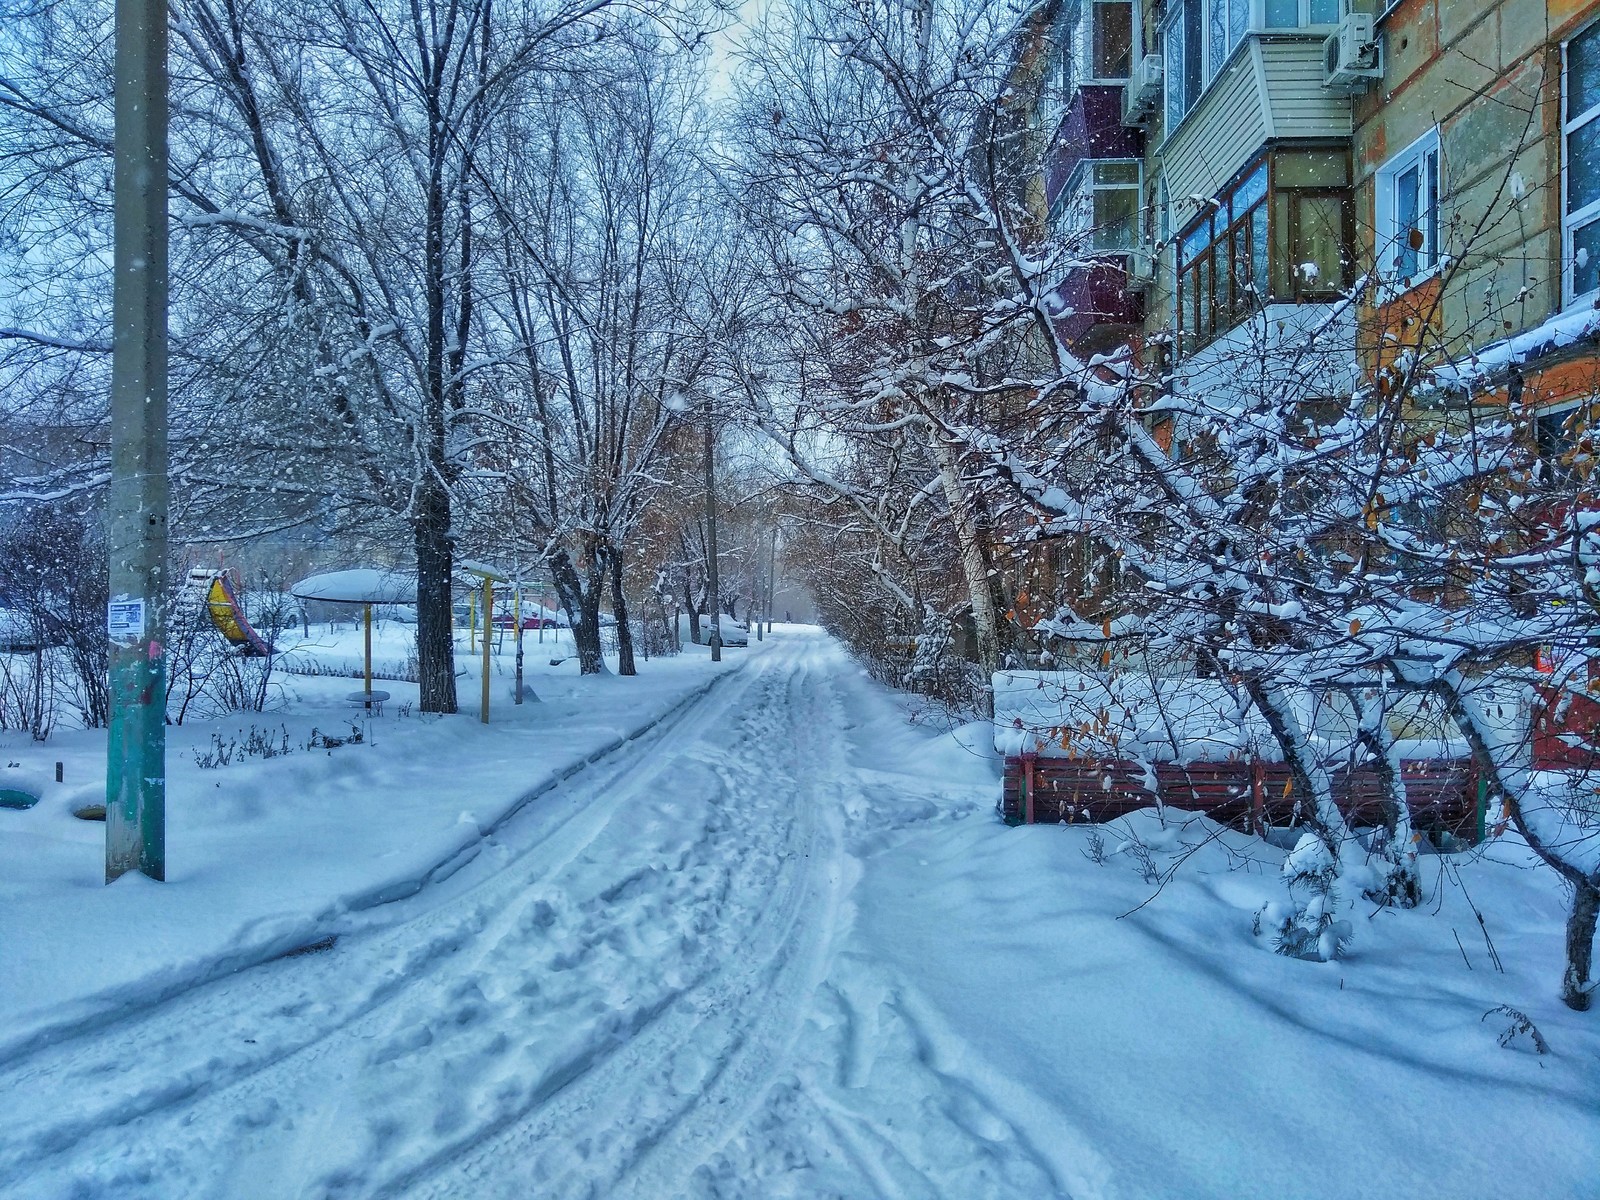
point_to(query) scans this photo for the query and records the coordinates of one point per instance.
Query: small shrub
(322, 741)
(1519, 1026)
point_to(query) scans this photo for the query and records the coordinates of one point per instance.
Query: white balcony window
(1099, 207)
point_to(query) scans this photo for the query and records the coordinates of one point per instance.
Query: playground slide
(227, 614)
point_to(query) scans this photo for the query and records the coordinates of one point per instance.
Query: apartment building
(1478, 163)
(1232, 167)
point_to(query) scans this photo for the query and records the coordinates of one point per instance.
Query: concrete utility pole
(136, 767)
(715, 601)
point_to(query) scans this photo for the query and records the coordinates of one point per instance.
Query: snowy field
(776, 945)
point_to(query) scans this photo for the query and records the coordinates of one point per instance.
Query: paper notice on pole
(125, 621)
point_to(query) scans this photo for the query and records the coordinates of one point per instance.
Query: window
(1100, 204)
(1197, 40)
(1407, 211)
(1281, 232)
(1111, 39)
(1293, 14)
(1580, 127)
(1102, 40)
(1563, 438)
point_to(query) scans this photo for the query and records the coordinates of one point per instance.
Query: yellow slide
(227, 614)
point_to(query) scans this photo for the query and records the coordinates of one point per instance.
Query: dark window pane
(1113, 39)
(1430, 201)
(1586, 258)
(1324, 12)
(1583, 166)
(1252, 188)
(1224, 283)
(1192, 21)
(1405, 220)
(1583, 72)
(1258, 251)
(1172, 75)
(1219, 34)
(1239, 21)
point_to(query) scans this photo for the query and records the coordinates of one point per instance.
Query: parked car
(534, 617)
(734, 633)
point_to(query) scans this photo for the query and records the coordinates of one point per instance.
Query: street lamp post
(136, 783)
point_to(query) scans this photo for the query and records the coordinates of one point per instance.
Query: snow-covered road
(779, 946)
(595, 1007)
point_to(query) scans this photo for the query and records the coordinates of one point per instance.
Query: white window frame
(1589, 213)
(1424, 155)
(1075, 215)
(1303, 20)
(1083, 43)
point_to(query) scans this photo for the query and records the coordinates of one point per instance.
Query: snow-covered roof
(1556, 333)
(361, 585)
(1060, 714)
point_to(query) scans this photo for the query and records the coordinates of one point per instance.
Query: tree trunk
(975, 567)
(1320, 813)
(436, 652)
(1580, 944)
(619, 606)
(1402, 882)
(582, 605)
(772, 578)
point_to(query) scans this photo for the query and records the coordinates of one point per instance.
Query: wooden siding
(1301, 106)
(1218, 136)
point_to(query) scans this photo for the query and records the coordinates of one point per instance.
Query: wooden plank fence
(1444, 794)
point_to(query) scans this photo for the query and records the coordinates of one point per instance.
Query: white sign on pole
(125, 621)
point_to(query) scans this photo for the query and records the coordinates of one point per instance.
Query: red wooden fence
(1444, 794)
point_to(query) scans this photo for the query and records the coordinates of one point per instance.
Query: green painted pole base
(136, 765)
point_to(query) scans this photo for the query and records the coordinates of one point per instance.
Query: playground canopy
(360, 585)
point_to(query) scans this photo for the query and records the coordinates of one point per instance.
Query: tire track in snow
(883, 1100)
(71, 1089)
(648, 1116)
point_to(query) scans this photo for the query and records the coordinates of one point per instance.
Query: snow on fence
(1082, 747)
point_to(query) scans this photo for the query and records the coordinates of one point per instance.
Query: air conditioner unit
(1143, 93)
(1351, 56)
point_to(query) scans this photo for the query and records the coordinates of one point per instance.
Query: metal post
(136, 758)
(367, 671)
(488, 623)
(516, 602)
(715, 602)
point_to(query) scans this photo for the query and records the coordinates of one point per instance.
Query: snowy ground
(777, 945)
